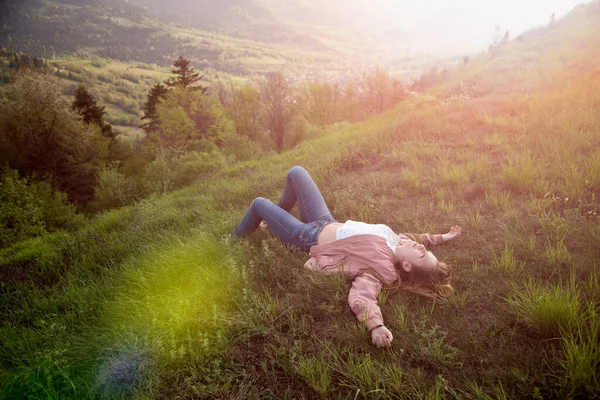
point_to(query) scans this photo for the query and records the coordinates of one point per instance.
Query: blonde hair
(434, 285)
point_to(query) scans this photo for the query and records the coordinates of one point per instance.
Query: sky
(469, 20)
(519, 14)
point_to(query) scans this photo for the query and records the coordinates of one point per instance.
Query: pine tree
(87, 107)
(186, 75)
(158, 91)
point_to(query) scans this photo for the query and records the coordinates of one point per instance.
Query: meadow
(148, 301)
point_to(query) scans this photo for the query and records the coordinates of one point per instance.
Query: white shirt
(352, 228)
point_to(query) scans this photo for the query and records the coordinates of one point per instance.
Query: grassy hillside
(148, 302)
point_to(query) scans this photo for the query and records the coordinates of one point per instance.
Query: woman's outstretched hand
(381, 337)
(454, 232)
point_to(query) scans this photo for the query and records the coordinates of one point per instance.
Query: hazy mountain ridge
(112, 28)
(154, 32)
(206, 13)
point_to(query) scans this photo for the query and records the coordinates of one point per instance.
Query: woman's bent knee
(259, 201)
(297, 170)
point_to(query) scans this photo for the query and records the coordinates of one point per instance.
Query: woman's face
(417, 256)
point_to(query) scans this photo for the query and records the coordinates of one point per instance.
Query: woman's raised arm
(428, 239)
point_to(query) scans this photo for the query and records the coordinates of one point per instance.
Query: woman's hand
(454, 232)
(381, 337)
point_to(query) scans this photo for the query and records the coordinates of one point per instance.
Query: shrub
(191, 166)
(29, 209)
(113, 189)
(241, 147)
(130, 77)
(159, 176)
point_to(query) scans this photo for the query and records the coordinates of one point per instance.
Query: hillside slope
(152, 290)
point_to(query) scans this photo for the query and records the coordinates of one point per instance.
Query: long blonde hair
(434, 285)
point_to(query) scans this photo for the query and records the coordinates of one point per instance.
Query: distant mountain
(109, 28)
(346, 14)
(157, 32)
(207, 13)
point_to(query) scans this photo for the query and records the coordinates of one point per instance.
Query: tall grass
(506, 260)
(549, 309)
(316, 372)
(519, 171)
(581, 359)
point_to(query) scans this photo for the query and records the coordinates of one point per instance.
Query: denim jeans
(314, 214)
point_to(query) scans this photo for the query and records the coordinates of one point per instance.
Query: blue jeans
(314, 214)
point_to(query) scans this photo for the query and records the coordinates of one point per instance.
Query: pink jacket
(368, 262)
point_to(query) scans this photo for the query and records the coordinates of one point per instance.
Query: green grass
(149, 289)
(582, 357)
(519, 172)
(549, 309)
(506, 261)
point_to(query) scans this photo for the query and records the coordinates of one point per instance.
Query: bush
(159, 175)
(194, 165)
(130, 77)
(300, 131)
(241, 147)
(29, 209)
(113, 189)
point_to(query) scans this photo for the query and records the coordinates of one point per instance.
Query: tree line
(63, 154)
(272, 108)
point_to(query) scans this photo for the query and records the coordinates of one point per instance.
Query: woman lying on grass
(370, 255)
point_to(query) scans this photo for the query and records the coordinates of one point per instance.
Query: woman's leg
(282, 223)
(299, 187)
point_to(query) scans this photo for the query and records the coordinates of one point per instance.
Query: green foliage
(157, 93)
(159, 175)
(185, 75)
(246, 112)
(40, 135)
(113, 189)
(87, 107)
(194, 166)
(276, 97)
(189, 118)
(321, 102)
(241, 148)
(29, 209)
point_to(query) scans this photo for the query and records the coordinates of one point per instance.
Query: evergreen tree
(506, 37)
(158, 91)
(186, 75)
(86, 106)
